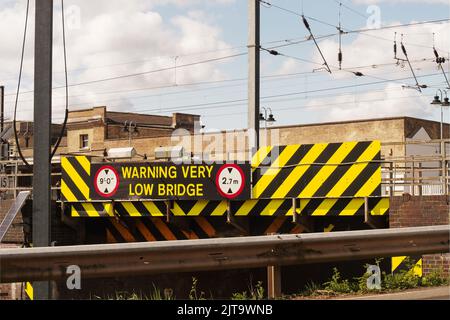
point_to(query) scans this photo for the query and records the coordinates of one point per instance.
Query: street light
(130, 127)
(265, 118)
(443, 102)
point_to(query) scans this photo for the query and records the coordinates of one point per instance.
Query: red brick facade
(409, 211)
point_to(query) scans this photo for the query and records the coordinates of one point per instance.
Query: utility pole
(42, 133)
(253, 74)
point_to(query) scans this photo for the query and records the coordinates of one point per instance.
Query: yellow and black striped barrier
(251, 208)
(411, 264)
(75, 178)
(323, 170)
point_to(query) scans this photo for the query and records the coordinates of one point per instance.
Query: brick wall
(409, 211)
(15, 233)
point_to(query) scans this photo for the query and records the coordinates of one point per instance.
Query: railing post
(420, 179)
(413, 175)
(273, 282)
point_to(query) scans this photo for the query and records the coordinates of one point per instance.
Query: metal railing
(422, 170)
(29, 264)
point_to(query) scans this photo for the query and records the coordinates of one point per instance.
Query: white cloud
(111, 34)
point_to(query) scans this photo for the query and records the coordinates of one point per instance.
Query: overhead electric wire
(66, 117)
(352, 10)
(144, 72)
(16, 137)
(201, 106)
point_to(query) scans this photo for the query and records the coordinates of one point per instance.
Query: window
(84, 141)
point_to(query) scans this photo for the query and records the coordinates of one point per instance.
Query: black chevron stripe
(284, 173)
(267, 162)
(148, 223)
(361, 179)
(339, 172)
(326, 154)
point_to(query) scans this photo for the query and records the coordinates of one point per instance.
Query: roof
(121, 117)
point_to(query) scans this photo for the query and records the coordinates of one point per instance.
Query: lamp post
(263, 117)
(443, 102)
(130, 127)
(267, 119)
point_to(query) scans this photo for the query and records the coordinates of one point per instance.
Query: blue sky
(115, 38)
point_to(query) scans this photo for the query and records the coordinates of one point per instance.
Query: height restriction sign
(167, 180)
(230, 181)
(106, 181)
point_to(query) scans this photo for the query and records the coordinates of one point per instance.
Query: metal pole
(2, 108)
(42, 133)
(253, 73)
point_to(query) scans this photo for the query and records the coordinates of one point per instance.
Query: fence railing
(423, 169)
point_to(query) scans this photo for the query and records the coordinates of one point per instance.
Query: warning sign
(106, 181)
(166, 180)
(230, 181)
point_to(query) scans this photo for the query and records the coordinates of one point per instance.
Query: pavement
(440, 293)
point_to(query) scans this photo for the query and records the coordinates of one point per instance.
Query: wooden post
(274, 282)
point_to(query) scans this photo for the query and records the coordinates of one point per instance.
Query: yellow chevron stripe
(29, 290)
(220, 210)
(198, 207)
(371, 184)
(352, 173)
(417, 270)
(301, 207)
(260, 155)
(153, 209)
(108, 208)
(352, 207)
(327, 170)
(245, 209)
(131, 209)
(84, 162)
(381, 207)
(73, 174)
(177, 211)
(274, 169)
(90, 210)
(271, 208)
(329, 228)
(74, 212)
(324, 207)
(396, 261)
(298, 171)
(67, 193)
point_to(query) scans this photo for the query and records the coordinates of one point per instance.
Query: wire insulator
(436, 54)
(274, 52)
(305, 22)
(404, 50)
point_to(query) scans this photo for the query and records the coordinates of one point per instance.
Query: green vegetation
(336, 285)
(255, 293)
(401, 280)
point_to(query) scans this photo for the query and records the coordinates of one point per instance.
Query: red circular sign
(106, 181)
(230, 181)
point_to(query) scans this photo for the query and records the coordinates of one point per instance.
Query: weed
(339, 285)
(193, 293)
